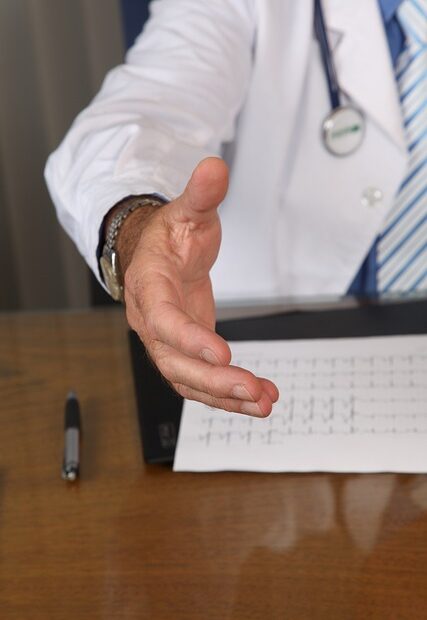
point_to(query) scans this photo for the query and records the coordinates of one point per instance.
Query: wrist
(130, 233)
(121, 232)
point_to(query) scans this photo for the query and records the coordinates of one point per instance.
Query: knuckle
(187, 335)
(132, 319)
(164, 369)
(130, 280)
(150, 322)
(160, 358)
(155, 317)
(156, 348)
(232, 406)
(220, 403)
(182, 390)
(210, 389)
(181, 341)
(255, 389)
(215, 403)
(165, 372)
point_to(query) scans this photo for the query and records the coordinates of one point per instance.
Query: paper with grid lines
(346, 405)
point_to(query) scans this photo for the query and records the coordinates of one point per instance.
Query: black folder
(159, 407)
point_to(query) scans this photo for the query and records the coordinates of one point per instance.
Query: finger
(174, 327)
(217, 381)
(165, 323)
(260, 409)
(205, 190)
(153, 311)
(185, 335)
(270, 389)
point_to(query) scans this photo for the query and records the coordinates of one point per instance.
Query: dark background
(54, 55)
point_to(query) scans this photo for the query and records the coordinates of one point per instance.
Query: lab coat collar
(363, 62)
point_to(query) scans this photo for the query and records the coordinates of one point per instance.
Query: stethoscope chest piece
(343, 130)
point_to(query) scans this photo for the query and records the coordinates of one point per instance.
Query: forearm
(172, 104)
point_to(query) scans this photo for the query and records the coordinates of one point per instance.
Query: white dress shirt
(243, 79)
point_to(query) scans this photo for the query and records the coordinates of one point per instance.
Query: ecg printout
(354, 405)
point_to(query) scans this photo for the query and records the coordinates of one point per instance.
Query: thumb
(204, 192)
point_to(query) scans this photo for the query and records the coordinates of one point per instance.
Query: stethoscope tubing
(325, 50)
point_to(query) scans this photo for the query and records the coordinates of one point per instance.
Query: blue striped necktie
(402, 245)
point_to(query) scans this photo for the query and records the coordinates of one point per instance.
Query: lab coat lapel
(363, 62)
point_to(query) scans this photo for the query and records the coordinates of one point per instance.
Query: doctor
(324, 132)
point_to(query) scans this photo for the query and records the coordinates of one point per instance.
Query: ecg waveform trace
(338, 395)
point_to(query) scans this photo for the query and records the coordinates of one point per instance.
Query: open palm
(169, 299)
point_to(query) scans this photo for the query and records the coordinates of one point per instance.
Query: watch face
(111, 280)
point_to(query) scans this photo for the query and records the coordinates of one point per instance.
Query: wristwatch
(109, 261)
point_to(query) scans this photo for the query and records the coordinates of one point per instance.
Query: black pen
(71, 464)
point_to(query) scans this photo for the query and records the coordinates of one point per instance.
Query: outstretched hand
(169, 300)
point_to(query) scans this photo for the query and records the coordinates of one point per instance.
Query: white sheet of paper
(346, 405)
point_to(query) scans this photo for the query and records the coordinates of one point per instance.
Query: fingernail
(210, 357)
(251, 409)
(239, 391)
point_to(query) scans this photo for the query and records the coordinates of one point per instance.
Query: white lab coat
(243, 78)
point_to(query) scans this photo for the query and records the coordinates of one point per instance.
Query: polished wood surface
(131, 541)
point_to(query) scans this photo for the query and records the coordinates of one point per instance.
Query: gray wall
(53, 57)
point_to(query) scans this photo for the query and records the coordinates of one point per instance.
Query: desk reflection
(143, 542)
(275, 546)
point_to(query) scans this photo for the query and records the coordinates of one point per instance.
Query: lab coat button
(371, 196)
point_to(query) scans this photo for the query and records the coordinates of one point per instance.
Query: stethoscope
(344, 127)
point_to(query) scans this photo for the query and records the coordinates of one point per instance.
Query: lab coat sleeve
(173, 102)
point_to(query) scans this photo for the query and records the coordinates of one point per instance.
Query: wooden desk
(130, 541)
